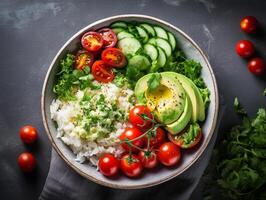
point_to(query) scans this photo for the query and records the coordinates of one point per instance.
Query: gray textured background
(31, 32)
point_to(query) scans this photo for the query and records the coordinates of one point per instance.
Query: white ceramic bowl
(149, 178)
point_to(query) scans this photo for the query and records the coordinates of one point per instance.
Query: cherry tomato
(178, 140)
(148, 159)
(136, 119)
(114, 57)
(28, 134)
(83, 59)
(102, 72)
(256, 66)
(26, 162)
(109, 37)
(92, 41)
(158, 139)
(130, 134)
(131, 166)
(169, 154)
(108, 165)
(249, 24)
(245, 48)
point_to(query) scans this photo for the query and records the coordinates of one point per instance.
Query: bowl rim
(118, 186)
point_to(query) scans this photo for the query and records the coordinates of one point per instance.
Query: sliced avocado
(167, 101)
(177, 126)
(198, 111)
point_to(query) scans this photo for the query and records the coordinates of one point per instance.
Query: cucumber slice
(117, 30)
(129, 45)
(160, 32)
(140, 62)
(152, 41)
(161, 60)
(123, 35)
(151, 51)
(143, 34)
(164, 44)
(149, 29)
(172, 41)
(119, 25)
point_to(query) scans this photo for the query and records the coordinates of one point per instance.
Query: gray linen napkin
(64, 183)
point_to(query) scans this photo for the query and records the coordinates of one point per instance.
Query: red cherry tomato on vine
(26, 162)
(136, 119)
(102, 72)
(249, 24)
(92, 41)
(131, 166)
(156, 140)
(109, 37)
(130, 134)
(108, 165)
(114, 57)
(148, 159)
(83, 59)
(245, 48)
(169, 154)
(28, 134)
(256, 66)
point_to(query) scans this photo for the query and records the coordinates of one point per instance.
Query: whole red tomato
(136, 115)
(148, 159)
(130, 134)
(158, 139)
(108, 165)
(131, 166)
(249, 24)
(26, 162)
(169, 154)
(256, 66)
(28, 134)
(245, 48)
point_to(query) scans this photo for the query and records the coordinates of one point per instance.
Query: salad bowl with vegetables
(130, 101)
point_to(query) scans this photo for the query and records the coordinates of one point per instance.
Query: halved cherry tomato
(26, 162)
(169, 154)
(249, 24)
(148, 159)
(28, 134)
(109, 37)
(157, 139)
(178, 140)
(245, 48)
(136, 119)
(108, 165)
(83, 59)
(102, 72)
(130, 134)
(114, 57)
(257, 66)
(131, 166)
(92, 41)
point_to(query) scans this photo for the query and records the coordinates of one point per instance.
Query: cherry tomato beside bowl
(130, 134)
(131, 166)
(169, 154)
(92, 41)
(245, 48)
(256, 66)
(102, 72)
(108, 165)
(28, 134)
(109, 37)
(114, 57)
(249, 24)
(83, 59)
(178, 140)
(136, 119)
(148, 159)
(26, 162)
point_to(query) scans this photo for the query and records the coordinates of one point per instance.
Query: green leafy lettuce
(154, 82)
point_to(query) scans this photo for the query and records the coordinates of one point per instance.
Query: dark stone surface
(31, 32)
